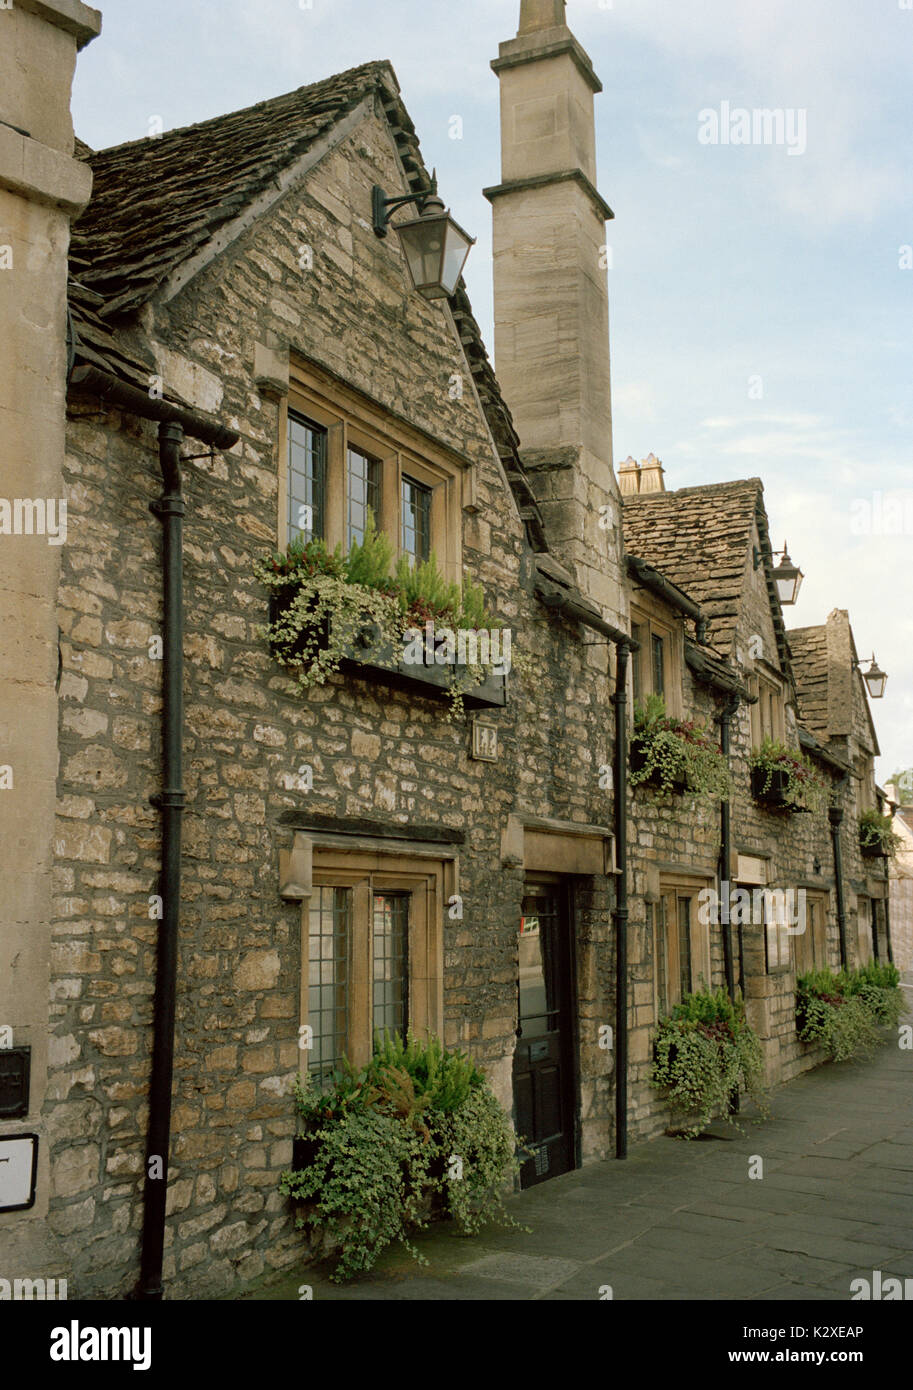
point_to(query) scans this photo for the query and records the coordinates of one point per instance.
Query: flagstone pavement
(683, 1219)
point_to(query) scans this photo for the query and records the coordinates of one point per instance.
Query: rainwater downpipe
(835, 816)
(170, 510)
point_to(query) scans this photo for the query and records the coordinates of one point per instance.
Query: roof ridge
(379, 65)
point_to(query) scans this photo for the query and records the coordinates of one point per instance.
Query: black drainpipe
(170, 801)
(620, 911)
(835, 816)
(729, 710)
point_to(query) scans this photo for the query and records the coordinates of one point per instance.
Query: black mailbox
(15, 1065)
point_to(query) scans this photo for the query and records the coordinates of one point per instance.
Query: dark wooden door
(544, 1083)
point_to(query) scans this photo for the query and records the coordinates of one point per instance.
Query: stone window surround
(655, 618)
(762, 683)
(353, 420)
(428, 872)
(679, 885)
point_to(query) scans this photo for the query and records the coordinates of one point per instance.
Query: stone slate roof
(155, 202)
(700, 538)
(808, 646)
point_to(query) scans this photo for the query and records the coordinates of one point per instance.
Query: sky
(761, 293)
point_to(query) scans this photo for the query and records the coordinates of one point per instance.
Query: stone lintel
(599, 203)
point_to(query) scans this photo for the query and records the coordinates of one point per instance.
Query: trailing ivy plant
(676, 753)
(803, 786)
(330, 603)
(416, 1130)
(704, 1053)
(877, 835)
(843, 1010)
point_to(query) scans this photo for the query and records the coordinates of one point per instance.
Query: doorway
(544, 1073)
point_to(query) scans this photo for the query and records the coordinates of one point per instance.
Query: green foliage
(370, 559)
(804, 785)
(676, 753)
(332, 606)
(843, 1010)
(417, 1126)
(876, 834)
(703, 1054)
(443, 1078)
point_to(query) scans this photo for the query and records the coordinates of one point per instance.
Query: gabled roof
(156, 202)
(700, 538)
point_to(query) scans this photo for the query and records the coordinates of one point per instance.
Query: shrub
(842, 1011)
(418, 1125)
(705, 1053)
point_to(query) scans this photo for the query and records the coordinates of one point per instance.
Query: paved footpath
(682, 1219)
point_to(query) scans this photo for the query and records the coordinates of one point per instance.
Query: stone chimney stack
(551, 292)
(637, 478)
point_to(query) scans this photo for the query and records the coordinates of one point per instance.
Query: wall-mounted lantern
(874, 677)
(434, 245)
(787, 576)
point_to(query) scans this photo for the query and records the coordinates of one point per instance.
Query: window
(681, 946)
(391, 930)
(362, 494)
(655, 668)
(342, 454)
(657, 655)
(328, 981)
(777, 933)
(416, 514)
(307, 454)
(767, 715)
(864, 929)
(372, 951)
(811, 944)
(638, 632)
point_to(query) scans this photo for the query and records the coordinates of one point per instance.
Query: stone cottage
(707, 616)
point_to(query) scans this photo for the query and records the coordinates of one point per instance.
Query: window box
(370, 657)
(638, 761)
(783, 779)
(771, 787)
(877, 840)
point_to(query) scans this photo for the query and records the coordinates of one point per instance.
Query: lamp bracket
(382, 206)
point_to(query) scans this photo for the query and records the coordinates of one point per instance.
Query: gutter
(651, 579)
(169, 508)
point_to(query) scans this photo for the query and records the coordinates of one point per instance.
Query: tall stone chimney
(551, 293)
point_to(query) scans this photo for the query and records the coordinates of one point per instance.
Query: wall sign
(18, 1171)
(15, 1063)
(484, 741)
